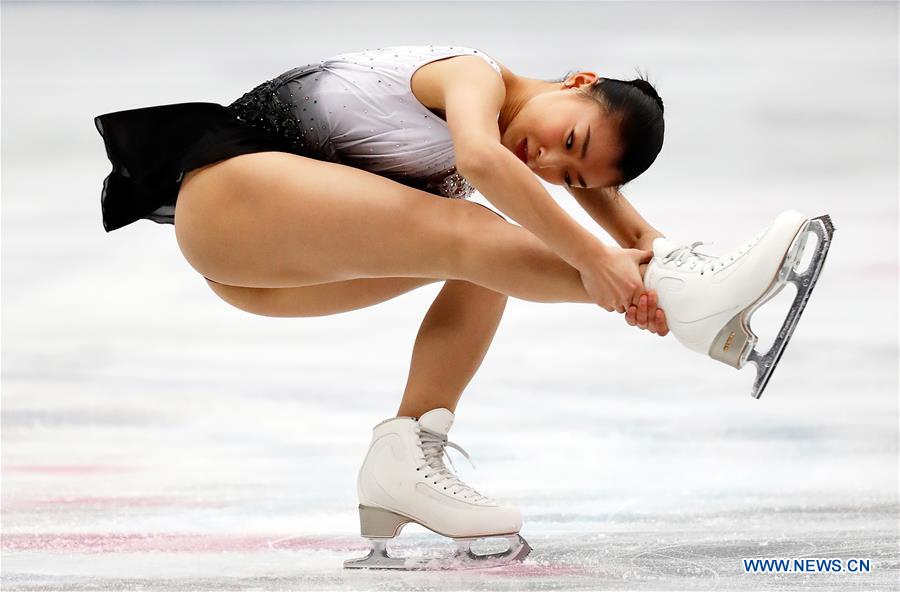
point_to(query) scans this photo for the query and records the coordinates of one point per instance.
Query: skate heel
(732, 344)
(378, 523)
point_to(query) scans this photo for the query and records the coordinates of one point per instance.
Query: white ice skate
(403, 479)
(709, 300)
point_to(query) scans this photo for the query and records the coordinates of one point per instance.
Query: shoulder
(473, 63)
(434, 81)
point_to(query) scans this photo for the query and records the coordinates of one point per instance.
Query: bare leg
(276, 220)
(452, 342)
(316, 301)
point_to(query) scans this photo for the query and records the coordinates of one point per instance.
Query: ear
(580, 79)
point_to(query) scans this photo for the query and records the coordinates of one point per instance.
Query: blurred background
(153, 437)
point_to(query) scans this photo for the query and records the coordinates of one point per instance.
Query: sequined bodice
(358, 109)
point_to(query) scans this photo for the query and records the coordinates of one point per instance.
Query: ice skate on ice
(403, 479)
(709, 300)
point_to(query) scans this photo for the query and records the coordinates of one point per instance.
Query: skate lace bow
(434, 448)
(688, 255)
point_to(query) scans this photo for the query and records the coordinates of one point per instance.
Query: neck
(520, 90)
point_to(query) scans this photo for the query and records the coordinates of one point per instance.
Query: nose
(546, 159)
(541, 160)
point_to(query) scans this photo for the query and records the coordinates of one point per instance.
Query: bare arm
(508, 184)
(471, 94)
(617, 216)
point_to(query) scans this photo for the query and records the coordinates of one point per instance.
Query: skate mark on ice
(655, 552)
(527, 569)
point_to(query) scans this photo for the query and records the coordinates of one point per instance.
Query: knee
(252, 300)
(498, 214)
(493, 303)
(473, 292)
(466, 304)
(473, 230)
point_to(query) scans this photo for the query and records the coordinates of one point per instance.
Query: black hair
(639, 111)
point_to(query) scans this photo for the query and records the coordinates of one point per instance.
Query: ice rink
(155, 438)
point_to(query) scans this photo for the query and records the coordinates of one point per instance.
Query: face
(569, 139)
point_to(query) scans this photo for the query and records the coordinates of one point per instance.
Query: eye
(570, 141)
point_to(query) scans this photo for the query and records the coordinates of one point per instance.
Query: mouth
(522, 150)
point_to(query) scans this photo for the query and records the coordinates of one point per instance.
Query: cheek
(552, 134)
(532, 123)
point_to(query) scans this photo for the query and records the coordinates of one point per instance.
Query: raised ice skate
(709, 300)
(403, 479)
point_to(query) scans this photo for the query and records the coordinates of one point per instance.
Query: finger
(636, 295)
(651, 311)
(661, 325)
(631, 315)
(636, 298)
(642, 312)
(645, 256)
(620, 309)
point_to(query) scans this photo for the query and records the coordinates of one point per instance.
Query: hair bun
(639, 113)
(648, 89)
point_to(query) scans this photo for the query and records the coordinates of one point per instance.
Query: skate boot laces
(688, 255)
(434, 448)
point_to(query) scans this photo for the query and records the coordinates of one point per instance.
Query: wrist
(645, 240)
(591, 251)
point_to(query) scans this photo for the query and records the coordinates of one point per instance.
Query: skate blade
(766, 362)
(464, 558)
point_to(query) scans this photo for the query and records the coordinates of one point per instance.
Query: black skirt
(151, 149)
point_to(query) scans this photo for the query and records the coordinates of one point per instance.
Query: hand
(646, 315)
(613, 279)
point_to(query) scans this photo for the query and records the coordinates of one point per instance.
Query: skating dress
(355, 108)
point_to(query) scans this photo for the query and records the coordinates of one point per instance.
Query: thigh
(274, 219)
(318, 300)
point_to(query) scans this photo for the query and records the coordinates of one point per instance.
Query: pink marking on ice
(168, 543)
(122, 502)
(68, 469)
(30, 503)
(526, 570)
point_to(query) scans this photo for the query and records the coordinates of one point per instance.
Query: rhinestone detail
(447, 183)
(261, 108)
(264, 107)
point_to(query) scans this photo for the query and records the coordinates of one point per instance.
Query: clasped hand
(613, 280)
(647, 316)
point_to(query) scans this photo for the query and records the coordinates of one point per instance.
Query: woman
(324, 190)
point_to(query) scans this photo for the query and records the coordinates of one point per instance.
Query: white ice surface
(155, 438)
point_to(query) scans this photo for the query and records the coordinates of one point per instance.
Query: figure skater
(342, 184)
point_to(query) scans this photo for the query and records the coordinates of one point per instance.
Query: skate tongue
(437, 420)
(663, 246)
